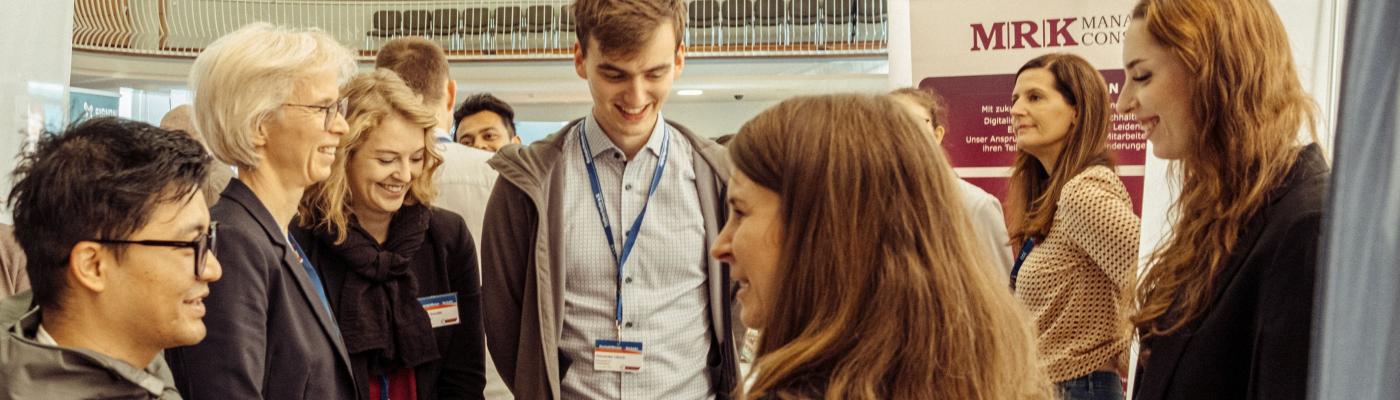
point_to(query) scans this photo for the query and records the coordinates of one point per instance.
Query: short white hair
(246, 75)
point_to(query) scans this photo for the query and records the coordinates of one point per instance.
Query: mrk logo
(1057, 32)
(1023, 34)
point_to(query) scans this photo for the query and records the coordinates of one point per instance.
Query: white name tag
(442, 309)
(617, 356)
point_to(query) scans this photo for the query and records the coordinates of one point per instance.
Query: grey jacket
(30, 370)
(523, 279)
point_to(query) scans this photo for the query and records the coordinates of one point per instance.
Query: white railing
(480, 29)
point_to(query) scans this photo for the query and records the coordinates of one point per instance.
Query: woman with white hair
(268, 101)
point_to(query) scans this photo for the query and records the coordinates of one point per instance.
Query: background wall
(708, 119)
(37, 40)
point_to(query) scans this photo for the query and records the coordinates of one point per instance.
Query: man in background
(485, 122)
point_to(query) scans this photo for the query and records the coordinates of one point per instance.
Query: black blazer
(445, 264)
(1253, 340)
(269, 336)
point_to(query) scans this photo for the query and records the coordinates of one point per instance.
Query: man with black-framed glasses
(120, 249)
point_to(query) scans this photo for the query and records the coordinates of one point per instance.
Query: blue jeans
(1098, 385)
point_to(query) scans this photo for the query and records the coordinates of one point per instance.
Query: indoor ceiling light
(690, 92)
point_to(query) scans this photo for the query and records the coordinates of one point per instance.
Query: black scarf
(379, 310)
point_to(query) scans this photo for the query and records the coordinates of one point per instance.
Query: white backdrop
(37, 41)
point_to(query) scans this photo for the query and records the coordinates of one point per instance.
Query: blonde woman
(268, 101)
(396, 268)
(851, 274)
(1227, 302)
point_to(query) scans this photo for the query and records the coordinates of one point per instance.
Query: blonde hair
(879, 301)
(1247, 97)
(373, 97)
(245, 76)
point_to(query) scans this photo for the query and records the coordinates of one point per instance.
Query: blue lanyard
(631, 239)
(1021, 258)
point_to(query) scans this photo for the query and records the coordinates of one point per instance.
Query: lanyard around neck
(1026, 248)
(631, 235)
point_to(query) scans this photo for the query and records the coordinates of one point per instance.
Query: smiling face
(751, 243)
(381, 170)
(628, 92)
(1158, 91)
(1040, 114)
(297, 146)
(153, 289)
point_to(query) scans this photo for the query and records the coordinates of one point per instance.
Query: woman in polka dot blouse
(1074, 226)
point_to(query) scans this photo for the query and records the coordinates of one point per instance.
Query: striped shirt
(665, 296)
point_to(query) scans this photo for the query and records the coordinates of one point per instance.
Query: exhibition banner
(969, 54)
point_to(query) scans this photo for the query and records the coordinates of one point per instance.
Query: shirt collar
(442, 135)
(599, 142)
(44, 338)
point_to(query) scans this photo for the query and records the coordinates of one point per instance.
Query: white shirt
(984, 211)
(464, 184)
(44, 338)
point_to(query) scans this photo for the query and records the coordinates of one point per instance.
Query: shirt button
(628, 324)
(627, 187)
(628, 280)
(617, 156)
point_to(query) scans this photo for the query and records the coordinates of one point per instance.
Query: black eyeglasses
(339, 107)
(202, 246)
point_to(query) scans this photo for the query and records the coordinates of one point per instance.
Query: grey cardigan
(523, 279)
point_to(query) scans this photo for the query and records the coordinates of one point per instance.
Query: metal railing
(480, 29)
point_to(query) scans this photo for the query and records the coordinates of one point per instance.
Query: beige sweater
(1077, 283)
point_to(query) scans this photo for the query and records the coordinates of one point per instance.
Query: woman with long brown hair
(1074, 224)
(1226, 303)
(839, 245)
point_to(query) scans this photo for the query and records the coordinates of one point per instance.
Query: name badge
(442, 309)
(617, 356)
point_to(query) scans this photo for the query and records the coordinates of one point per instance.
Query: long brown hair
(1251, 106)
(1034, 191)
(880, 300)
(373, 97)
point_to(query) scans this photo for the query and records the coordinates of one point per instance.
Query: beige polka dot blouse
(1077, 282)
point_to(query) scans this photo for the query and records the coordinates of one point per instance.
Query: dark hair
(1035, 192)
(99, 179)
(485, 102)
(622, 26)
(419, 62)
